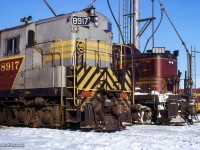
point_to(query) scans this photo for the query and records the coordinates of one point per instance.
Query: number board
(9, 66)
(84, 21)
(9, 70)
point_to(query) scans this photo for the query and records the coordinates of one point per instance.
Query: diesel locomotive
(65, 71)
(57, 72)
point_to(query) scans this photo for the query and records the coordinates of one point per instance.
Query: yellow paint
(70, 45)
(59, 50)
(115, 80)
(19, 69)
(129, 81)
(57, 57)
(70, 55)
(105, 77)
(63, 43)
(197, 94)
(198, 106)
(82, 84)
(13, 57)
(9, 66)
(93, 50)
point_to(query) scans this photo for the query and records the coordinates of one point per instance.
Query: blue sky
(184, 14)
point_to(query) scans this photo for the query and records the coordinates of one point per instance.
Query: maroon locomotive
(156, 81)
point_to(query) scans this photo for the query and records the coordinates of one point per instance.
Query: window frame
(12, 46)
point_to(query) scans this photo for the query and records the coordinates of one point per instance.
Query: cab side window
(31, 38)
(12, 47)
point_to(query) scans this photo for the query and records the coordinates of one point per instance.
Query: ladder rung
(70, 87)
(71, 121)
(70, 98)
(72, 68)
(69, 109)
(71, 76)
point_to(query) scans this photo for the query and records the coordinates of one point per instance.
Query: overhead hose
(183, 43)
(154, 30)
(116, 21)
(91, 4)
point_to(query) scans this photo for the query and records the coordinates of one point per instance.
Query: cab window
(12, 47)
(31, 38)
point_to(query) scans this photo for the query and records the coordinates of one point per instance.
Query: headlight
(170, 62)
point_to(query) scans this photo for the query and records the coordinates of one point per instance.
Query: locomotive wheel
(23, 117)
(1, 117)
(147, 116)
(28, 119)
(11, 118)
(47, 118)
(141, 114)
(37, 119)
(57, 116)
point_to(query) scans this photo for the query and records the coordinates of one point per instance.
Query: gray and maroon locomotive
(65, 71)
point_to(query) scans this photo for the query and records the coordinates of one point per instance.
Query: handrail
(84, 49)
(61, 94)
(121, 54)
(121, 65)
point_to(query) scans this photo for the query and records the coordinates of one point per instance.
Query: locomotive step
(70, 87)
(71, 109)
(70, 99)
(71, 76)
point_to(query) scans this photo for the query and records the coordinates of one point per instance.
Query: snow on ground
(136, 137)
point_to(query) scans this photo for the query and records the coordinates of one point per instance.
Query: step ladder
(71, 88)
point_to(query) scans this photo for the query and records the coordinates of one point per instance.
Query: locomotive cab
(156, 70)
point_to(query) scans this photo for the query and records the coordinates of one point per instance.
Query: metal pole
(119, 1)
(190, 71)
(194, 69)
(136, 23)
(131, 28)
(153, 23)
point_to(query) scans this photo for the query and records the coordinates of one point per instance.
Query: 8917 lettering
(85, 21)
(9, 66)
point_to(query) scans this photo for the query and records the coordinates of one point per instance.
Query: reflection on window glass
(31, 38)
(12, 46)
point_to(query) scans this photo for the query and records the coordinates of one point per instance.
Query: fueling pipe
(183, 43)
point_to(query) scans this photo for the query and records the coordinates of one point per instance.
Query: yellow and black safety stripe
(95, 79)
(198, 106)
(127, 80)
(102, 79)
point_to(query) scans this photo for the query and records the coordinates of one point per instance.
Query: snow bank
(136, 137)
